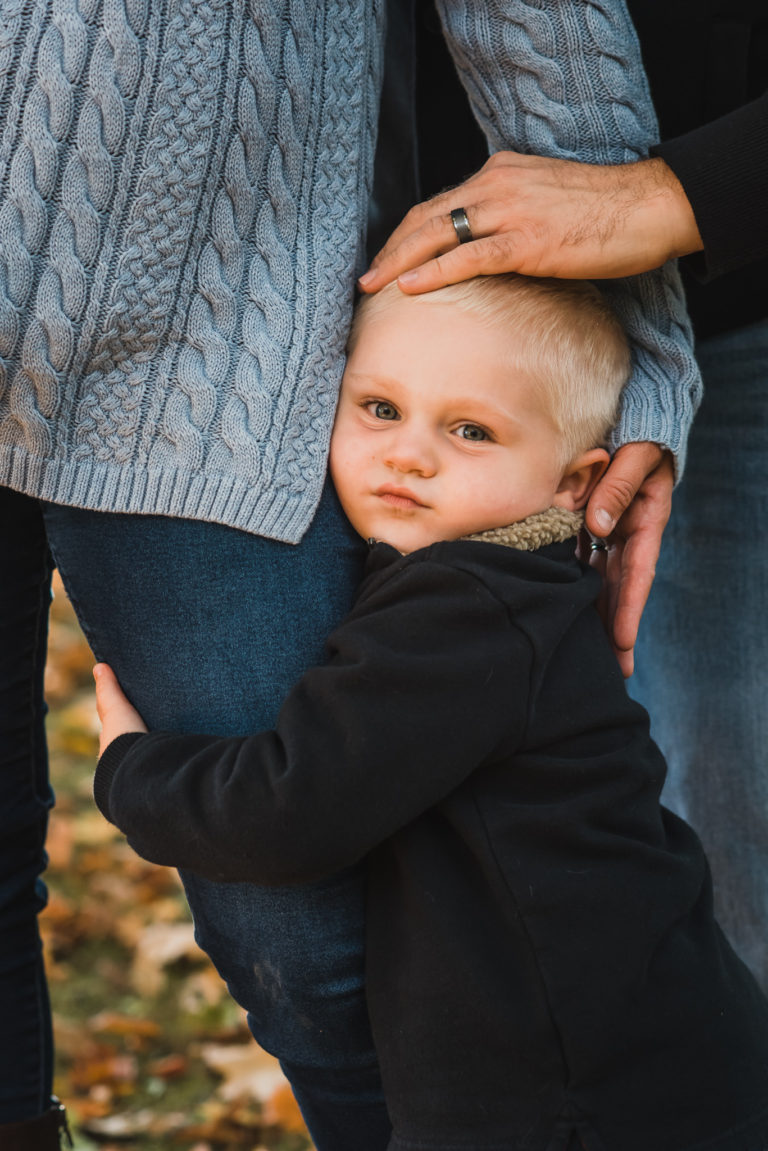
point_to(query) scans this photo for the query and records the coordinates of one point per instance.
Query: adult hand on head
(118, 716)
(629, 509)
(542, 217)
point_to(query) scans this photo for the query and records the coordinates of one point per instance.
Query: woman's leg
(702, 661)
(207, 629)
(25, 800)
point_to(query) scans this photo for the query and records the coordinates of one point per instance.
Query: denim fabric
(702, 659)
(25, 799)
(207, 627)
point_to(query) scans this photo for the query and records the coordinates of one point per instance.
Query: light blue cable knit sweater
(184, 191)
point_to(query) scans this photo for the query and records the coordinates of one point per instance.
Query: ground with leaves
(151, 1052)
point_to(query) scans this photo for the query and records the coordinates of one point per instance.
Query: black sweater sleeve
(427, 678)
(723, 167)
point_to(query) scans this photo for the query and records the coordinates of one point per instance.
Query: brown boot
(41, 1134)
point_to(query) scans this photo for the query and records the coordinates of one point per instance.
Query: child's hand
(117, 715)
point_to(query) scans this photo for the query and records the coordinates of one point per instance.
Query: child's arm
(414, 698)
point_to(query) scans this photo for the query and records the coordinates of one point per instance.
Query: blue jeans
(702, 659)
(207, 629)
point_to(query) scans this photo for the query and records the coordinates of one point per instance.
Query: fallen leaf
(112, 1023)
(75, 1041)
(90, 1108)
(126, 1126)
(59, 909)
(248, 1071)
(169, 1067)
(202, 989)
(112, 1069)
(159, 945)
(282, 1110)
(226, 1124)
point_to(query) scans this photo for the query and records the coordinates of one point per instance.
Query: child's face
(435, 436)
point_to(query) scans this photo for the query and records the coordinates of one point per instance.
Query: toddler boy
(543, 969)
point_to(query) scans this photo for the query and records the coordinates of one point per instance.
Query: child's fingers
(108, 690)
(116, 712)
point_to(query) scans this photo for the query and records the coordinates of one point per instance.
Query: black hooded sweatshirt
(542, 960)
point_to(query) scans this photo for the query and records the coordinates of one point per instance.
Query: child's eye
(382, 410)
(472, 432)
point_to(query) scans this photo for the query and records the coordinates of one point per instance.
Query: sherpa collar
(553, 526)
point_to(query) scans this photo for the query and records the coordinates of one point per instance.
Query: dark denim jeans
(207, 628)
(702, 660)
(25, 800)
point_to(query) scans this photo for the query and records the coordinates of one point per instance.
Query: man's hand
(542, 217)
(117, 715)
(629, 508)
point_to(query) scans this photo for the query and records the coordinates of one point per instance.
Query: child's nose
(411, 452)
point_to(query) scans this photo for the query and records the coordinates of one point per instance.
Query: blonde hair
(572, 344)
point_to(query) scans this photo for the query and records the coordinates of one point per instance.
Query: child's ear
(579, 479)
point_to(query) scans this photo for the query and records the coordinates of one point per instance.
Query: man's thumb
(619, 486)
(610, 500)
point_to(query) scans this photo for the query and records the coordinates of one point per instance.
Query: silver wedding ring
(461, 226)
(598, 546)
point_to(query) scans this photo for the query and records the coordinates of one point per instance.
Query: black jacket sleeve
(427, 678)
(723, 167)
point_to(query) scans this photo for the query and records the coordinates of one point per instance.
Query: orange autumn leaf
(282, 1110)
(112, 1023)
(170, 1067)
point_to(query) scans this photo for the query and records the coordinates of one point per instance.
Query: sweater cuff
(723, 168)
(660, 400)
(107, 767)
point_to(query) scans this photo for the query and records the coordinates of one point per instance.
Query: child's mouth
(398, 497)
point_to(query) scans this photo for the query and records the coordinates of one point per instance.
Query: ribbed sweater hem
(276, 513)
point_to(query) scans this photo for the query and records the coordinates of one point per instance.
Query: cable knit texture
(182, 214)
(564, 78)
